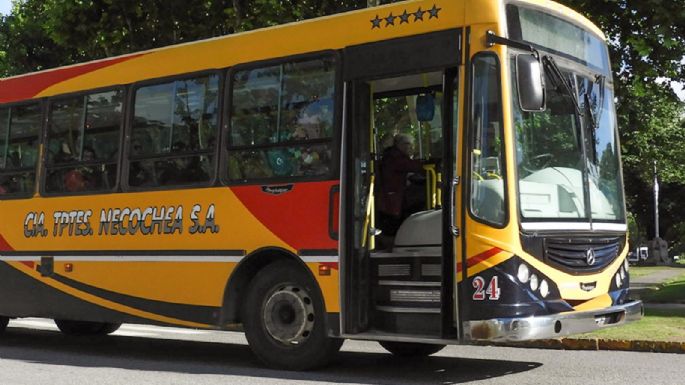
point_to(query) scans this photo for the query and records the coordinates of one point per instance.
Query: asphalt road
(32, 352)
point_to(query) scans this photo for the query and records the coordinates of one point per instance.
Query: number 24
(492, 291)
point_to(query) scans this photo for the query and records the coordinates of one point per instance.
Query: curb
(596, 344)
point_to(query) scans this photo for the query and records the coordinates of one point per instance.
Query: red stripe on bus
(476, 259)
(332, 265)
(27, 87)
(4, 246)
(298, 213)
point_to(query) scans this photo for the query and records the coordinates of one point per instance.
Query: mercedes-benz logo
(590, 257)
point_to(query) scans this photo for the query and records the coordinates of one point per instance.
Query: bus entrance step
(408, 320)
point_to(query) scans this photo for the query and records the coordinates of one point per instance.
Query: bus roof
(328, 32)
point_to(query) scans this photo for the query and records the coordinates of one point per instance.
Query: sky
(6, 7)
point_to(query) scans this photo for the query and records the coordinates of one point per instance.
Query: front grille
(572, 253)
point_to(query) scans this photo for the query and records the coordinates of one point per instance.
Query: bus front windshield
(567, 156)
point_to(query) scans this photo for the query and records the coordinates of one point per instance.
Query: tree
(647, 47)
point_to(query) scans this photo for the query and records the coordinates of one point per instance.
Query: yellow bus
(420, 174)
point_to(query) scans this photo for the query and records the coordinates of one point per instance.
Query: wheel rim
(289, 315)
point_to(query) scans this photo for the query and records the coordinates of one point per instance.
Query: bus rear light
(523, 273)
(324, 270)
(534, 282)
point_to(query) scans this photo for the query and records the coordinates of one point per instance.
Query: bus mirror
(531, 84)
(425, 107)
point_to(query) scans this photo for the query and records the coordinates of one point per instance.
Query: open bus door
(400, 283)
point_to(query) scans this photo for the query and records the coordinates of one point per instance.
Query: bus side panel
(173, 271)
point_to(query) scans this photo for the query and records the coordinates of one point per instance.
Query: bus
(245, 183)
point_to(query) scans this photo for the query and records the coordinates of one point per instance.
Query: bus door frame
(435, 51)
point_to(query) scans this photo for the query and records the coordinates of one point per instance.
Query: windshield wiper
(559, 82)
(588, 108)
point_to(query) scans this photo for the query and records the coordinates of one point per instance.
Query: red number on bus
(493, 291)
(479, 285)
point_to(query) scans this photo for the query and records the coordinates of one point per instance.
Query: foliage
(647, 47)
(43, 34)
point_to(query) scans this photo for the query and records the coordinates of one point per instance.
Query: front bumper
(551, 326)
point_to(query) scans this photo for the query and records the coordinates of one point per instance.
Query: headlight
(623, 274)
(523, 273)
(544, 289)
(534, 282)
(618, 280)
(626, 265)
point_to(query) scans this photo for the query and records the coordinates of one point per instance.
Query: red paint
(331, 265)
(28, 86)
(4, 246)
(300, 217)
(30, 264)
(479, 258)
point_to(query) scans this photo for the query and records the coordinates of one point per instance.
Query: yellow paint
(192, 283)
(600, 302)
(489, 263)
(330, 287)
(239, 229)
(333, 32)
(103, 302)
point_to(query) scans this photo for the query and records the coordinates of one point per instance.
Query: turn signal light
(324, 270)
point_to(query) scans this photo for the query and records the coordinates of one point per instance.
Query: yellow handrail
(431, 186)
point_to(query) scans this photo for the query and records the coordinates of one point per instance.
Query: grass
(640, 271)
(672, 291)
(656, 325)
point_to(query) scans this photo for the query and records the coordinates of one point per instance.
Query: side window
(83, 143)
(282, 121)
(20, 127)
(487, 147)
(174, 133)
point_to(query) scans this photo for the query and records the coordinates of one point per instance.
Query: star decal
(434, 12)
(390, 20)
(404, 18)
(418, 15)
(376, 22)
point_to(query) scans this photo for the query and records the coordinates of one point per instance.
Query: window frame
(471, 139)
(333, 140)
(128, 133)
(44, 141)
(37, 169)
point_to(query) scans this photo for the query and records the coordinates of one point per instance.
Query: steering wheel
(540, 160)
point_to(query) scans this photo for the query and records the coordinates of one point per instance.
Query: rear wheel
(3, 323)
(285, 319)
(86, 328)
(410, 349)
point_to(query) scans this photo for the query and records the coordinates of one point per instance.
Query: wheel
(86, 328)
(285, 320)
(410, 349)
(3, 323)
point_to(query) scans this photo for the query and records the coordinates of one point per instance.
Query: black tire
(3, 324)
(86, 328)
(410, 349)
(285, 319)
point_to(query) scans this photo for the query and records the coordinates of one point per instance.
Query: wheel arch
(246, 270)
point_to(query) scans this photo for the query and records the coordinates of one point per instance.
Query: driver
(395, 165)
